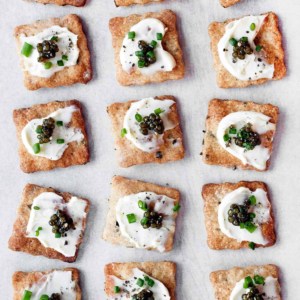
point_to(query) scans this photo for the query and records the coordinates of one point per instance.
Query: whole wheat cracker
(132, 2)
(227, 3)
(77, 3)
(20, 242)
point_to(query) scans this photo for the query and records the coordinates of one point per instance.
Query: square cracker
(122, 187)
(20, 242)
(212, 196)
(80, 73)
(77, 3)
(23, 280)
(119, 28)
(269, 37)
(75, 154)
(224, 281)
(131, 2)
(213, 153)
(129, 155)
(164, 271)
(227, 3)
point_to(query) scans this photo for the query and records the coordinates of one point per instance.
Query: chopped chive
(39, 129)
(140, 282)
(117, 289)
(60, 141)
(40, 228)
(158, 111)
(48, 65)
(232, 130)
(65, 57)
(252, 216)
(123, 132)
(153, 44)
(176, 207)
(141, 63)
(259, 279)
(248, 282)
(258, 48)
(131, 218)
(150, 54)
(36, 208)
(139, 53)
(248, 226)
(252, 26)
(138, 117)
(131, 35)
(44, 297)
(251, 245)
(149, 281)
(54, 38)
(26, 295)
(233, 42)
(244, 39)
(59, 123)
(142, 205)
(57, 235)
(144, 221)
(159, 36)
(226, 137)
(60, 63)
(252, 200)
(37, 232)
(26, 49)
(36, 148)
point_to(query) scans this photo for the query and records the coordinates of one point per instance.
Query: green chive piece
(39, 129)
(44, 297)
(258, 48)
(54, 38)
(232, 130)
(259, 279)
(158, 111)
(140, 282)
(150, 54)
(26, 295)
(26, 49)
(248, 226)
(233, 42)
(60, 63)
(138, 117)
(60, 141)
(226, 137)
(252, 26)
(252, 200)
(176, 207)
(48, 65)
(144, 221)
(252, 216)
(142, 205)
(149, 281)
(139, 53)
(131, 218)
(251, 245)
(57, 235)
(117, 289)
(123, 132)
(59, 123)
(36, 148)
(248, 282)
(141, 63)
(159, 36)
(244, 39)
(37, 233)
(40, 228)
(131, 35)
(153, 44)
(36, 208)
(65, 57)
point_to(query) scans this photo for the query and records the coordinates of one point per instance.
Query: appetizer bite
(146, 48)
(77, 3)
(54, 53)
(147, 131)
(254, 282)
(227, 3)
(238, 215)
(131, 2)
(239, 134)
(247, 51)
(145, 280)
(141, 215)
(49, 223)
(51, 136)
(51, 285)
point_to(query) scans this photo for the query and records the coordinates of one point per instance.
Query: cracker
(80, 73)
(77, 3)
(269, 37)
(20, 242)
(164, 271)
(129, 155)
(227, 3)
(21, 281)
(213, 153)
(120, 26)
(224, 281)
(131, 2)
(121, 187)
(75, 154)
(212, 196)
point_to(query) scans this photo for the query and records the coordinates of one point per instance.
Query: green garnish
(57, 235)
(36, 148)
(117, 289)
(59, 123)
(144, 221)
(131, 35)
(36, 208)
(138, 117)
(26, 49)
(65, 57)
(142, 205)
(252, 200)
(48, 65)
(141, 63)
(153, 44)
(149, 281)
(37, 232)
(232, 130)
(233, 42)
(259, 279)
(158, 111)
(139, 53)
(176, 207)
(54, 38)
(226, 137)
(248, 226)
(252, 26)
(251, 245)
(60, 63)
(244, 39)
(131, 218)
(140, 282)
(60, 141)
(26, 295)
(159, 36)
(123, 132)
(150, 54)
(248, 282)
(39, 129)
(252, 216)
(258, 48)
(44, 297)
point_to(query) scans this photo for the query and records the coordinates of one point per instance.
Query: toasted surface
(129, 155)
(269, 37)
(212, 195)
(63, 2)
(224, 281)
(80, 73)
(20, 242)
(164, 271)
(120, 26)
(23, 280)
(227, 3)
(213, 153)
(121, 187)
(75, 154)
(131, 2)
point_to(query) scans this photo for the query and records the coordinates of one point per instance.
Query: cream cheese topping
(254, 66)
(129, 287)
(261, 124)
(152, 141)
(146, 30)
(261, 211)
(67, 44)
(151, 238)
(52, 150)
(270, 288)
(48, 204)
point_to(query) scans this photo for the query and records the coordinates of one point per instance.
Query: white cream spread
(48, 204)
(254, 66)
(146, 30)
(144, 107)
(151, 238)
(52, 150)
(67, 44)
(261, 124)
(55, 282)
(270, 288)
(129, 288)
(261, 210)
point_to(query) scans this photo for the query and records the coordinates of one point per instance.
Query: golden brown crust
(224, 281)
(131, 2)
(77, 3)
(129, 155)
(227, 3)
(121, 187)
(23, 280)
(269, 37)
(164, 271)
(80, 73)
(20, 242)
(75, 154)
(213, 153)
(120, 26)
(212, 196)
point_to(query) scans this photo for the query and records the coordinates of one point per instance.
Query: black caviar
(152, 219)
(152, 122)
(253, 294)
(45, 131)
(47, 49)
(144, 295)
(241, 48)
(55, 296)
(61, 223)
(146, 55)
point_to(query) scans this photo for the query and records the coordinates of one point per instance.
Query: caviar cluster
(152, 122)
(253, 294)
(45, 131)
(55, 296)
(61, 223)
(238, 214)
(247, 138)
(47, 49)
(241, 48)
(146, 55)
(152, 219)
(144, 295)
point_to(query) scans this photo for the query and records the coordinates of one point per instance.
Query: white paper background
(195, 260)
